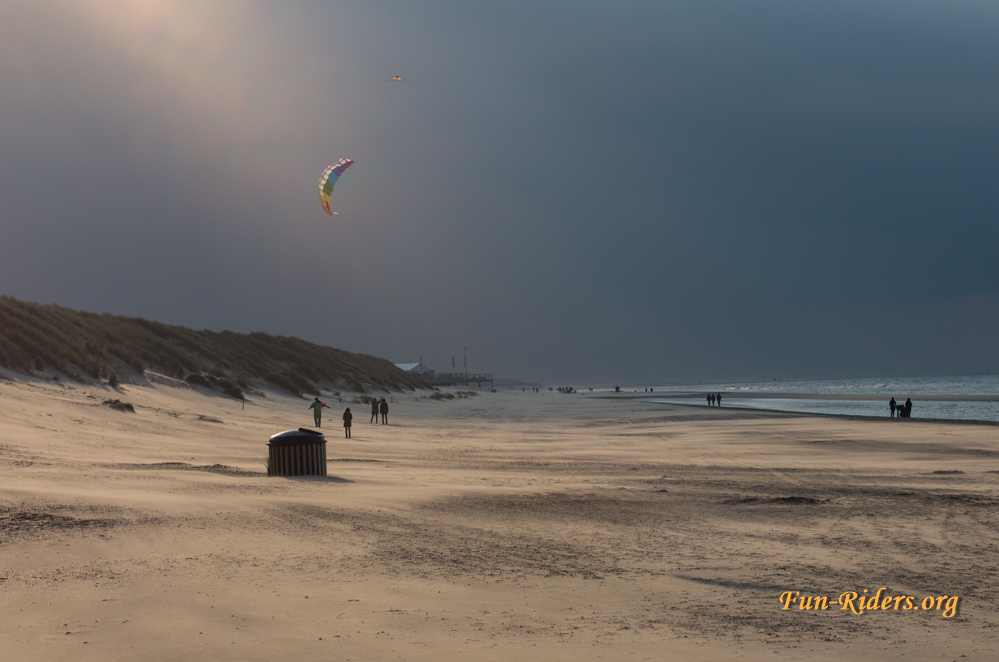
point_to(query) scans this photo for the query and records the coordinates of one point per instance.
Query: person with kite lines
(317, 412)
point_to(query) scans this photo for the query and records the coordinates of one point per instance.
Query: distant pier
(459, 378)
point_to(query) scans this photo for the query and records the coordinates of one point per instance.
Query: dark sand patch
(26, 522)
(220, 469)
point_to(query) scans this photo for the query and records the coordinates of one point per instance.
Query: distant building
(435, 378)
(420, 369)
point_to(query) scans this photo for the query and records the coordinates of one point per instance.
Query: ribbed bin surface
(300, 452)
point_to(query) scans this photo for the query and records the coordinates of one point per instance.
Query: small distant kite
(397, 79)
(329, 180)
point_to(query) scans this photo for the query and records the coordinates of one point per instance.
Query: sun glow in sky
(209, 74)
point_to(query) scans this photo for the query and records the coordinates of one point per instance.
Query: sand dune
(508, 524)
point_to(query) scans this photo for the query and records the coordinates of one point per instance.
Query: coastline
(852, 417)
(809, 396)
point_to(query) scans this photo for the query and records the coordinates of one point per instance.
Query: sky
(578, 192)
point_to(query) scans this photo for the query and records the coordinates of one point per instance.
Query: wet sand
(508, 524)
(946, 397)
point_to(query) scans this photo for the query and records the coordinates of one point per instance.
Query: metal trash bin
(300, 452)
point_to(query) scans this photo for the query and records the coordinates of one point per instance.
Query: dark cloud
(575, 191)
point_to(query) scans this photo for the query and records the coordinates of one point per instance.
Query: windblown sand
(504, 526)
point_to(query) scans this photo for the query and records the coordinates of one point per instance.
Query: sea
(961, 397)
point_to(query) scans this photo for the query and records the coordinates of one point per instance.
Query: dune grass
(443, 396)
(213, 380)
(35, 337)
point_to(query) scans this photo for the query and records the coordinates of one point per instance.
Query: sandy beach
(505, 525)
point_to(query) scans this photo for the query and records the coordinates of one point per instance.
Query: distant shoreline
(807, 414)
(810, 396)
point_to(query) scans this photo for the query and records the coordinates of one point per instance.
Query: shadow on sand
(318, 479)
(730, 584)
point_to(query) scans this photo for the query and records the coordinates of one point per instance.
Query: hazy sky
(577, 191)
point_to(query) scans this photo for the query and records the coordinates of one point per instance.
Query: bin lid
(297, 437)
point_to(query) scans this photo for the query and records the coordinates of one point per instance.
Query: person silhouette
(710, 398)
(908, 408)
(347, 418)
(718, 399)
(891, 406)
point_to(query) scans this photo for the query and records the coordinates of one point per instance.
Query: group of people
(378, 407)
(903, 411)
(714, 400)
(565, 389)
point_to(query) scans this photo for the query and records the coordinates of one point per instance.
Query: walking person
(710, 399)
(374, 410)
(383, 408)
(347, 418)
(908, 408)
(317, 412)
(891, 406)
(718, 399)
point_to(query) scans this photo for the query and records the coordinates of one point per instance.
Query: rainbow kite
(328, 181)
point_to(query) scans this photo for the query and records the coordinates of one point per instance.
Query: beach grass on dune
(79, 344)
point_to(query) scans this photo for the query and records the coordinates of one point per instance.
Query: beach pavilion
(420, 368)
